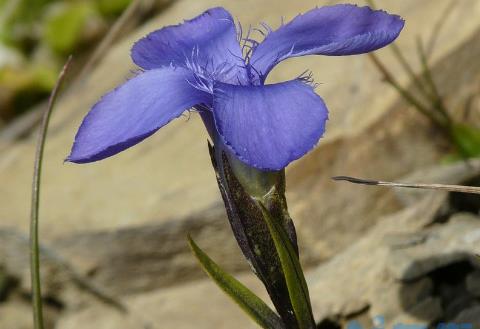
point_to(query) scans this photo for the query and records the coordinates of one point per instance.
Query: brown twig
(411, 73)
(442, 187)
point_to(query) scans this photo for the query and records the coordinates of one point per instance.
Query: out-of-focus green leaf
(297, 286)
(451, 158)
(64, 28)
(19, 20)
(246, 299)
(112, 7)
(44, 77)
(24, 86)
(467, 139)
(37, 77)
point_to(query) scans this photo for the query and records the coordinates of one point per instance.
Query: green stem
(437, 99)
(405, 94)
(406, 66)
(34, 243)
(397, 53)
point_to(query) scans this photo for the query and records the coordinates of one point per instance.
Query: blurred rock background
(121, 223)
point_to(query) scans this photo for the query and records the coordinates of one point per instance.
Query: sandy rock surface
(169, 175)
(122, 222)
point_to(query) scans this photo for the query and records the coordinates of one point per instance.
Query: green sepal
(241, 295)
(252, 233)
(296, 284)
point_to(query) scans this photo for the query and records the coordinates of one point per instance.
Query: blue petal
(333, 30)
(134, 111)
(269, 126)
(207, 44)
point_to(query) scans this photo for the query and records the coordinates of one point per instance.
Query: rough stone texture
(387, 294)
(200, 304)
(430, 308)
(122, 221)
(470, 316)
(473, 283)
(374, 278)
(447, 244)
(169, 176)
(127, 260)
(144, 258)
(15, 315)
(350, 275)
(367, 272)
(153, 256)
(355, 283)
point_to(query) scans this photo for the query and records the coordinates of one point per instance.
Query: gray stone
(199, 304)
(17, 314)
(391, 298)
(149, 257)
(339, 288)
(446, 244)
(169, 176)
(360, 273)
(424, 313)
(375, 268)
(105, 217)
(469, 316)
(473, 283)
(127, 261)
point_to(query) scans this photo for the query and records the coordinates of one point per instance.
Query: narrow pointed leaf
(37, 306)
(244, 297)
(297, 286)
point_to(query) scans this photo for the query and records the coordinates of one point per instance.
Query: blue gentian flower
(207, 65)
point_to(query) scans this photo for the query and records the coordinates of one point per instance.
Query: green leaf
(112, 7)
(63, 30)
(467, 139)
(245, 298)
(297, 286)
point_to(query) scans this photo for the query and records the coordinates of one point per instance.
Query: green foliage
(20, 19)
(464, 137)
(297, 286)
(37, 77)
(35, 38)
(112, 7)
(24, 86)
(63, 29)
(246, 299)
(467, 139)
